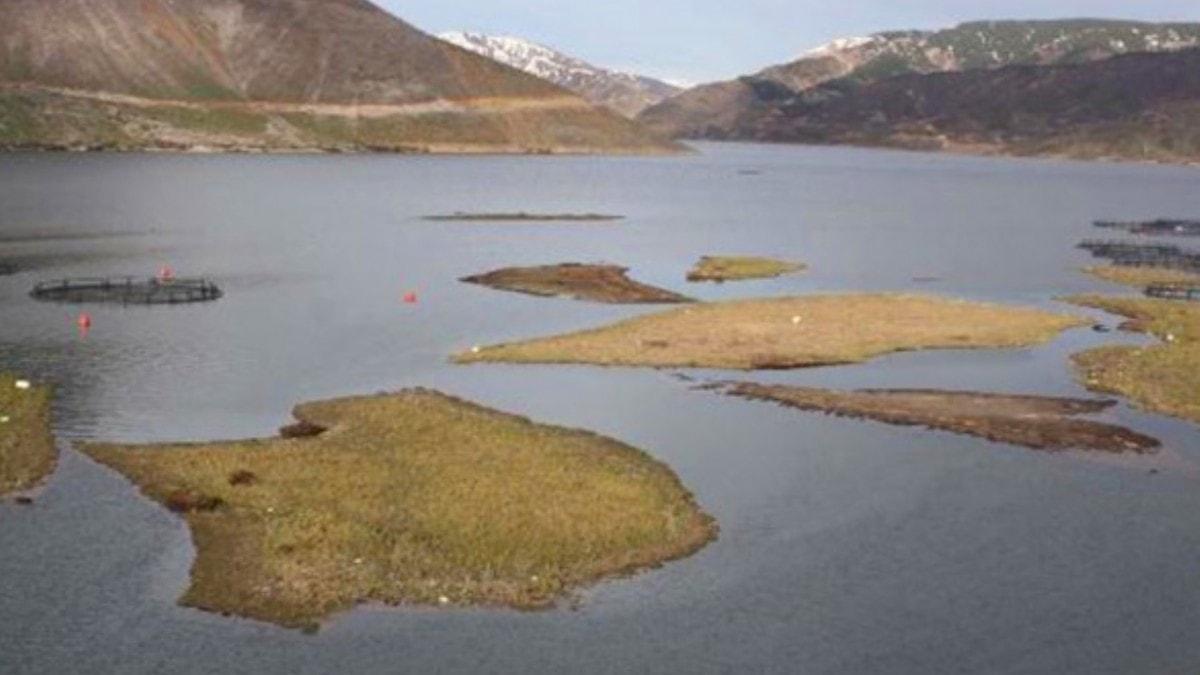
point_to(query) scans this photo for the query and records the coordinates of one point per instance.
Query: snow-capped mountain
(625, 93)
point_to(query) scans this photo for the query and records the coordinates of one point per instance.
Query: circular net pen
(127, 291)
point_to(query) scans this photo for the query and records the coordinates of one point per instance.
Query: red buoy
(84, 321)
(410, 298)
(165, 273)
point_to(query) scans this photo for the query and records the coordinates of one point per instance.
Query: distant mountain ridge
(1140, 106)
(626, 93)
(720, 109)
(272, 75)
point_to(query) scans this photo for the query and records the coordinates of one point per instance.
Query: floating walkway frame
(127, 291)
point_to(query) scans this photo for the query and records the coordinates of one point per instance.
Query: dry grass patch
(740, 268)
(1141, 277)
(792, 332)
(416, 498)
(1163, 378)
(27, 452)
(596, 283)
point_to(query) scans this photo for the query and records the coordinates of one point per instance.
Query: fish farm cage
(1162, 227)
(1174, 291)
(1127, 254)
(127, 291)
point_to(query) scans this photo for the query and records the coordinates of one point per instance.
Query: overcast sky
(703, 40)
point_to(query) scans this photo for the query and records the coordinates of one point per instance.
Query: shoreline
(430, 151)
(983, 151)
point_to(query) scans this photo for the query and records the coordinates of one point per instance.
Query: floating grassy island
(27, 453)
(523, 217)
(1141, 277)
(790, 332)
(415, 497)
(740, 268)
(1034, 422)
(596, 283)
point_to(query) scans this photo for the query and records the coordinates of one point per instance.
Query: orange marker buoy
(410, 298)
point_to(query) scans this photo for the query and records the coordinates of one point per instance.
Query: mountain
(625, 93)
(718, 110)
(1143, 106)
(272, 75)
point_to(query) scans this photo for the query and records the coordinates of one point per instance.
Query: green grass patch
(18, 121)
(209, 120)
(1163, 378)
(739, 268)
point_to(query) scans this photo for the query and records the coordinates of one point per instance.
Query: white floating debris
(476, 349)
(24, 385)
(533, 578)
(4, 419)
(1170, 337)
(444, 600)
(796, 320)
(358, 561)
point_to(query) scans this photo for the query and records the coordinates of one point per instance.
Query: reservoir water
(846, 546)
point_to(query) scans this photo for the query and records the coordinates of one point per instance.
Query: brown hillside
(62, 62)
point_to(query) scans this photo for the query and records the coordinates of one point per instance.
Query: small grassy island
(523, 217)
(740, 268)
(1141, 277)
(789, 332)
(414, 497)
(1035, 422)
(27, 452)
(595, 283)
(27, 444)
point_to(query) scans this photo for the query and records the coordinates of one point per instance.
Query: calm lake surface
(846, 547)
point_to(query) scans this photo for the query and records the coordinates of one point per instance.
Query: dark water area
(846, 546)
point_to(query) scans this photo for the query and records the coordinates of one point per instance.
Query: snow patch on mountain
(624, 92)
